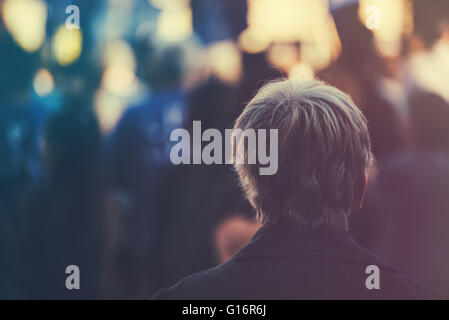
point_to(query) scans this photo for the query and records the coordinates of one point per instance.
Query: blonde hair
(324, 146)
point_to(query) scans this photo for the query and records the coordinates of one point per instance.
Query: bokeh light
(252, 42)
(26, 20)
(225, 61)
(43, 82)
(174, 23)
(430, 69)
(67, 45)
(119, 62)
(109, 108)
(283, 55)
(394, 21)
(118, 84)
(292, 21)
(301, 71)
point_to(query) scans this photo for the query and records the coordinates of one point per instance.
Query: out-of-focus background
(86, 114)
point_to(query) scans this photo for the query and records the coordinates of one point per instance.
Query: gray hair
(324, 146)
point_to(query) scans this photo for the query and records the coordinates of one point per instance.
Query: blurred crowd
(86, 116)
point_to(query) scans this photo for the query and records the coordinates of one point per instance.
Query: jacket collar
(285, 240)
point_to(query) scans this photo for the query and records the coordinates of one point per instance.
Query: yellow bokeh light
(174, 23)
(109, 109)
(430, 69)
(283, 55)
(301, 71)
(67, 45)
(251, 42)
(43, 83)
(281, 20)
(119, 53)
(26, 20)
(292, 21)
(161, 4)
(389, 20)
(225, 61)
(119, 80)
(119, 63)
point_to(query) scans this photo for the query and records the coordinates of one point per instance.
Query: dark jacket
(283, 263)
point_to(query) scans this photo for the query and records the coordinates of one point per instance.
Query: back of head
(161, 68)
(17, 68)
(429, 19)
(72, 145)
(357, 42)
(429, 121)
(324, 147)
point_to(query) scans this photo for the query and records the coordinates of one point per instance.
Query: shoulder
(417, 290)
(394, 284)
(209, 284)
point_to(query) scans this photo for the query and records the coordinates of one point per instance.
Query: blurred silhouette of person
(429, 122)
(303, 250)
(136, 151)
(218, 20)
(412, 196)
(425, 66)
(256, 72)
(21, 122)
(359, 71)
(61, 221)
(429, 18)
(207, 196)
(215, 199)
